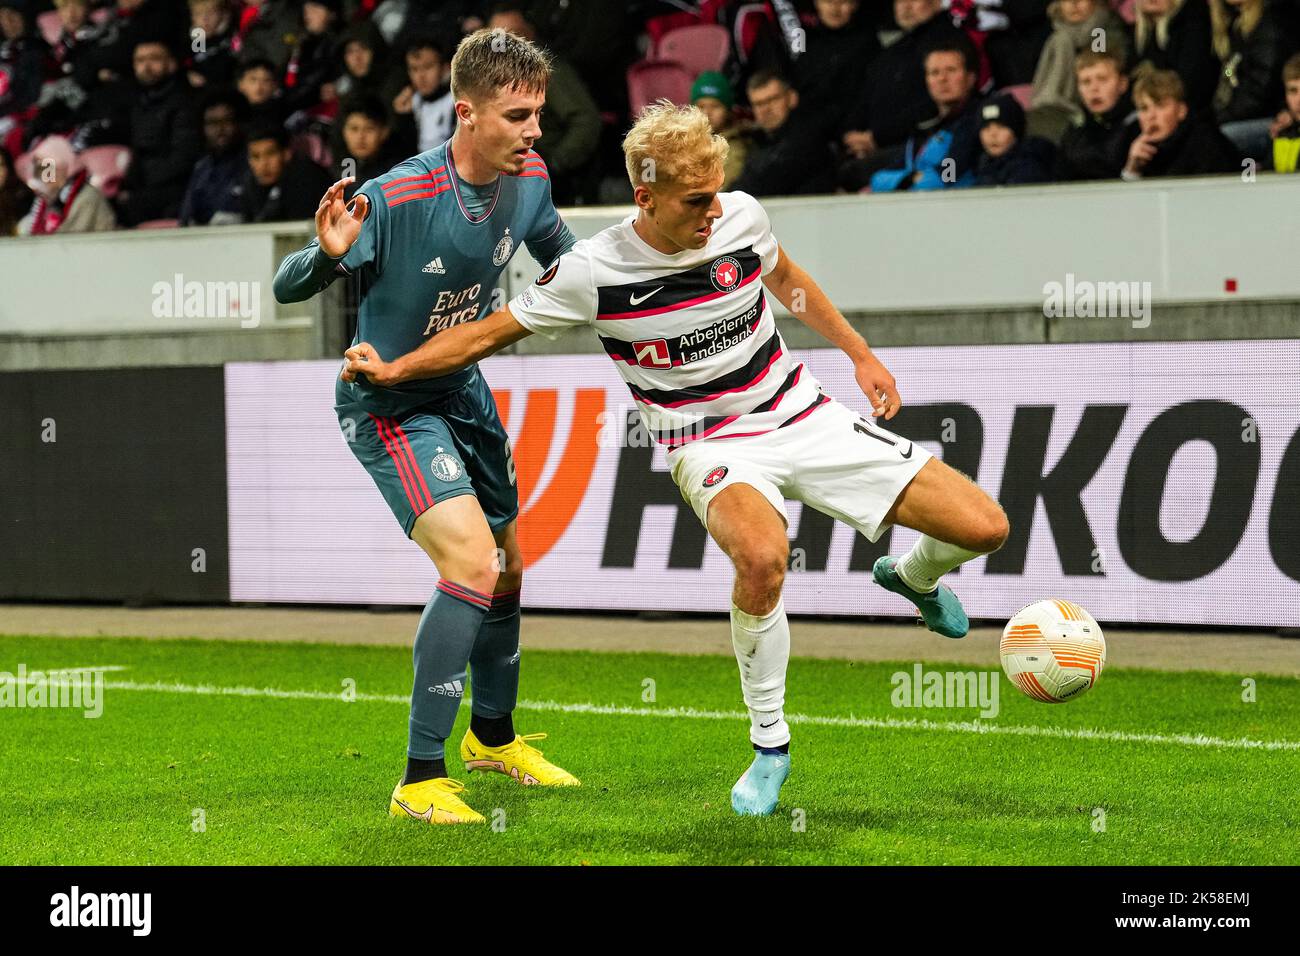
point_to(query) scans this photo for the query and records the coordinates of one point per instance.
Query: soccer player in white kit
(677, 296)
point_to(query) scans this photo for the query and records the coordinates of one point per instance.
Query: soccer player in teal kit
(426, 242)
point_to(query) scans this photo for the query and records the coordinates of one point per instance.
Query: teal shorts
(449, 445)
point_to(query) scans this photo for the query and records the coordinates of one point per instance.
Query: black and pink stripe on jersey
(680, 290)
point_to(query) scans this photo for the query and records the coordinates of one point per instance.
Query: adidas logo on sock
(451, 689)
(435, 267)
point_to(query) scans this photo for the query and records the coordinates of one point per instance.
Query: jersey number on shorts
(510, 462)
(861, 426)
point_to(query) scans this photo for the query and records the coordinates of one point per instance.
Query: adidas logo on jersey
(451, 689)
(435, 267)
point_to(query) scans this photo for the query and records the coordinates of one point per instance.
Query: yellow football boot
(433, 801)
(516, 759)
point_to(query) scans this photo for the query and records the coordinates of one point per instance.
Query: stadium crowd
(130, 113)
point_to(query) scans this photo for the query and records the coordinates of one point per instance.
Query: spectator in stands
(1077, 25)
(711, 93)
(788, 155)
(78, 35)
(15, 197)
(943, 151)
(1251, 46)
(75, 103)
(364, 53)
(22, 60)
(261, 90)
(1175, 35)
(425, 108)
(1175, 140)
(130, 23)
(280, 187)
(1009, 157)
(268, 30)
(66, 200)
(832, 71)
(1286, 127)
(570, 122)
(894, 100)
(214, 196)
(212, 65)
(165, 139)
(1016, 32)
(1097, 147)
(314, 59)
(363, 147)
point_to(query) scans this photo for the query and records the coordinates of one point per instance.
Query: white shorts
(840, 463)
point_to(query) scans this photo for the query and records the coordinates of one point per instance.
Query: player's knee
(993, 531)
(509, 566)
(761, 567)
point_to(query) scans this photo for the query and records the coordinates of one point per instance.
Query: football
(1053, 651)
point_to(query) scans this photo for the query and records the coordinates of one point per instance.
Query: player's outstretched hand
(337, 225)
(878, 385)
(362, 359)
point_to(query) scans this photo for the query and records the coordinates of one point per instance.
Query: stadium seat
(651, 80)
(312, 146)
(159, 224)
(107, 166)
(1023, 92)
(704, 46)
(50, 26)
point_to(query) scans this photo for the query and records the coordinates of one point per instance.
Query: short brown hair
(489, 61)
(1159, 86)
(1291, 69)
(1097, 57)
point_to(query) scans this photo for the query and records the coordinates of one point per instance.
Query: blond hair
(489, 61)
(1222, 24)
(1159, 86)
(671, 143)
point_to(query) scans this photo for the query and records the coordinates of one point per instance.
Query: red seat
(313, 147)
(704, 46)
(1022, 92)
(651, 80)
(107, 166)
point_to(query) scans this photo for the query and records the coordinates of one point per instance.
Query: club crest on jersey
(715, 476)
(502, 252)
(652, 353)
(725, 273)
(444, 467)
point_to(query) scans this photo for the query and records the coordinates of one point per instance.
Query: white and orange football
(1053, 651)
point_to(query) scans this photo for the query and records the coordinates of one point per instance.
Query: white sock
(929, 560)
(762, 647)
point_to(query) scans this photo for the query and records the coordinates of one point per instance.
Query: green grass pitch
(303, 777)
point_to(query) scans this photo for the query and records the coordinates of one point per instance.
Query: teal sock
(443, 642)
(494, 671)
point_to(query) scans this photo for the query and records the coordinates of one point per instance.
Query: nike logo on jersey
(908, 454)
(637, 300)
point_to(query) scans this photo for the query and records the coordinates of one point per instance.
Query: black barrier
(114, 485)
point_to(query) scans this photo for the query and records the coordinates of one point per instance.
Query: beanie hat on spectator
(713, 84)
(1004, 109)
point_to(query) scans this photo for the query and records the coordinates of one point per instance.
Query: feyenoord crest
(444, 467)
(715, 476)
(725, 273)
(502, 252)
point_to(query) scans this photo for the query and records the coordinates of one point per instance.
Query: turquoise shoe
(755, 793)
(940, 608)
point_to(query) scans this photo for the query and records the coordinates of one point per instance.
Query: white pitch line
(690, 713)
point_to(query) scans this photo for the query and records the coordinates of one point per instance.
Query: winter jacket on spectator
(1055, 82)
(793, 160)
(165, 142)
(895, 99)
(79, 207)
(832, 73)
(935, 141)
(312, 64)
(1250, 75)
(1029, 161)
(294, 197)
(216, 62)
(215, 195)
(1097, 147)
(570, 129)
(1286, 149)
(269, 31)
(1013, 52)
(1195, 148)
(1181, 44)
(23, 62)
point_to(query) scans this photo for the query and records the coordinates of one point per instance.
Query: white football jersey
(692, 333)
